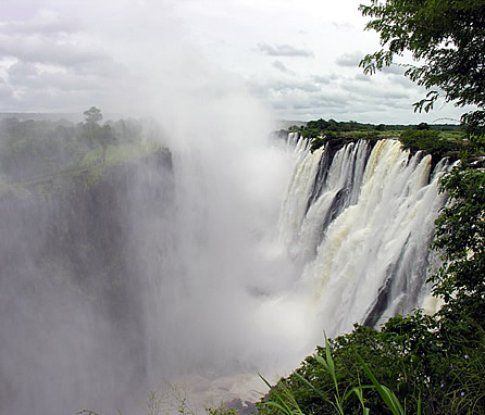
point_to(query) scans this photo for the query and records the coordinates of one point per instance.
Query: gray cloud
(351, 59)
(323, 102)
(325, 80)
(26, 75)
(5, 91)
(333, 96)
(394, 69)
(282, 67)
(301, 86)
(363, 78)
(368, 91)
(42, 50)
(52, 69)
(45, 24)
(284, 50)
(403, 81)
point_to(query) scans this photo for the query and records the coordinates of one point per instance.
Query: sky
(299, 59)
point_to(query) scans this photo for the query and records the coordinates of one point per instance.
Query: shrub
(429, 141)
(432, 364)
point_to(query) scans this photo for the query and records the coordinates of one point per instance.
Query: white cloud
(282, 67)
(136, 55)
(284, 50)
(350, 59)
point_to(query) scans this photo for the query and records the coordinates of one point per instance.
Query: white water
(372, 262)
(351, 245)
(237, 269)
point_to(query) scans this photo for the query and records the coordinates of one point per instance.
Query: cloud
(342, 25)
(284, 50)
(362, 77)
(44, 23)
(395, 69)
(368, 91)
(300, 86)
(350, 59)
(5, 91)
(404, 81)
(67, 55)
(322, 79)
(282, 67)
(50, 63)
(42, 50)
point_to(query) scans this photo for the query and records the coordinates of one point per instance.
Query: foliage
(411, 358)
(95, 133)
(221, 410)
(448, 37)
(440, 140)
(32, 150)
(460, 238)
(430, 141)
(424, 364)
(354, 130)
(93, 115)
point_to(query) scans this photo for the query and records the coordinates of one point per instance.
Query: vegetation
(435, 363)
(36, 151)
(432, 142)
(448, 37)
(95, 133)
(418, 364)
(355, 130)
(443, 140)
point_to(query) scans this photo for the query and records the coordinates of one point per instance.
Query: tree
(447, 36)
(101, 135)
(93, 115)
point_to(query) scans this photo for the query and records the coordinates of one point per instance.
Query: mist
(192, 255)
(156, 273)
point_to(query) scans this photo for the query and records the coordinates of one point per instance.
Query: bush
(431, 142)
(432, 364)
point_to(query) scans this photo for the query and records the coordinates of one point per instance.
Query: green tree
(93, 116)
(447, 37)
(95, 133)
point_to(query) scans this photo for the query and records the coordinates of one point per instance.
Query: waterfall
(358, 218)
(229, 258)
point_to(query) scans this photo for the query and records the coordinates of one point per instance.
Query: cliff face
(71, 267)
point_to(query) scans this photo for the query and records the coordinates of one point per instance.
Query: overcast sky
(300, 58)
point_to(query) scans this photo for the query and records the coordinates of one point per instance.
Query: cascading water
(351, 246)
(201, 267)
(359, 220)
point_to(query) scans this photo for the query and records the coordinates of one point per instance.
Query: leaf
(385, 393)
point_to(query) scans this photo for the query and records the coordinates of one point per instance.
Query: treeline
(30, 148)
(321, 127)
(441, 140)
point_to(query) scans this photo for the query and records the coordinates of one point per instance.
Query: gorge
(182, 264)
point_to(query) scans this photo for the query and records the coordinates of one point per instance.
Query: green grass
(283, 402)
(118, 154)
(94, 167)
(91, 167)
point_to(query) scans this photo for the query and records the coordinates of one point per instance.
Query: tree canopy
(93, 115)
(95, 133)
(445, 37)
